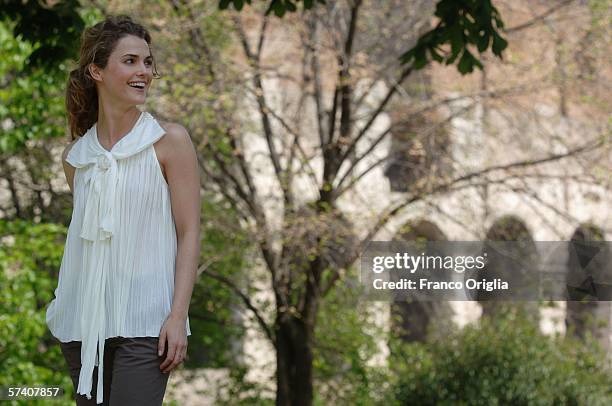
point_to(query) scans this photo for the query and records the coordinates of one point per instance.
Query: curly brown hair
(97, 43)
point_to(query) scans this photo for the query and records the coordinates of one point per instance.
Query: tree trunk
(293, 361)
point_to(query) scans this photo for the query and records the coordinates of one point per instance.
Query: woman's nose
(143, 69)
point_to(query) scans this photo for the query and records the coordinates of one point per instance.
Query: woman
(130, 262)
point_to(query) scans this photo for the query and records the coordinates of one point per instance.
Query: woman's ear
(94, 72)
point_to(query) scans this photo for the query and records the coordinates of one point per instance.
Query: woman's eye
(129, 60)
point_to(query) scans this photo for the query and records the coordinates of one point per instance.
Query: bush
(346, 344)
(30, 255)
(505, 361)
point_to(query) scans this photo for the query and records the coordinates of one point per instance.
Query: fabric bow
(98, 220)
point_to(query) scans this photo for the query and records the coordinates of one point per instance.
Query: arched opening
(588, 311)
(512, 257)
(413, 320)
(420, 148)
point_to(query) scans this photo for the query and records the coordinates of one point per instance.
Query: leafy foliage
(346, 342)
(505, 361)
(279, 7)
(213, 306)
(53, 30)
(30, 255)
(31, 101)
(463, 23)
(30, 258)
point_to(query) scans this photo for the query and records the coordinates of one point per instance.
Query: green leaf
(499, 44)
(290, 6)
(407, 56)
(483, 41)
(463, 24)
(420, 58)
(224, 4)
(435, 55)
(466, 63)
(278, 7)
(456, 39)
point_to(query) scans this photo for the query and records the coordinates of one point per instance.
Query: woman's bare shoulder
(175, 139)
(68, 148)
(173, 130)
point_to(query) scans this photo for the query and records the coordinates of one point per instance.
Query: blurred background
(321, 126)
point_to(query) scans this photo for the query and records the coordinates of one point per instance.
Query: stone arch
(515, 262)
(588, 311)
(413, 320)
(509, 228)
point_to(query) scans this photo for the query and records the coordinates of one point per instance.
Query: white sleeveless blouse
(117, 272)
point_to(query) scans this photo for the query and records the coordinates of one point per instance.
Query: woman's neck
(114, 123)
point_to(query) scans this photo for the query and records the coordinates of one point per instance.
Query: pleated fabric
(117, 273)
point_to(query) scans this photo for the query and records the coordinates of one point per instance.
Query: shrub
(30, 255)
(505, 361)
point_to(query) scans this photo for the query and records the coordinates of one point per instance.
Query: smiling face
(128, 74)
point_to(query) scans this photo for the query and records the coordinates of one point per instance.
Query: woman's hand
(174, 332)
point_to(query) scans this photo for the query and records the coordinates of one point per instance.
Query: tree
(298, 286)
(460, 24)
(31, 113)
(33, 69)
(30, 255)
(52, 27)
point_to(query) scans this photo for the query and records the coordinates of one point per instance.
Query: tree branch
(263, 108)
(332, 150)
(539, 18)
(379, 109)
(245, 299)
(341, 190)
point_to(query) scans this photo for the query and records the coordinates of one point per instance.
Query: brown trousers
(131, 372)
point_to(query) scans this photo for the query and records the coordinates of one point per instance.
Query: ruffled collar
(98, 219)
(88, 150)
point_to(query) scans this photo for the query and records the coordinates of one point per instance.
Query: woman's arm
(182, 172)
(68, 169)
